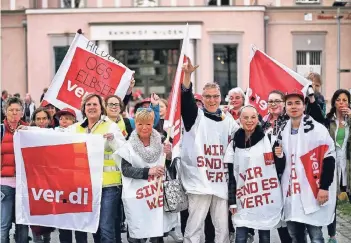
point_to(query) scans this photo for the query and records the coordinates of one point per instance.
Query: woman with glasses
(142, 165)
(114, 108)
(272, 123)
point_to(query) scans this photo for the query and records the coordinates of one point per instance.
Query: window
(308, 61)
(72, 3)
(154, 62)
(308, 1)
(225, 66)
(145, 3)
(219, 2)
(60, 53)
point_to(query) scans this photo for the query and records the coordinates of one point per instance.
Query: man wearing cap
(308, 185)
(204, 175)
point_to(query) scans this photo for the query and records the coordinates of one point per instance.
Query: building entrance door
(154, 63)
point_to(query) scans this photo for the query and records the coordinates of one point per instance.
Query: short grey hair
(13, 100)
(213, 85)
(237, 90)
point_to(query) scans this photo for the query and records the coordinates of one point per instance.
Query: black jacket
(239, 142)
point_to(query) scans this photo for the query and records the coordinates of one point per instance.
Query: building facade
(146, 36)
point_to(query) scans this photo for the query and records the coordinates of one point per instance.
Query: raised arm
(188, 104)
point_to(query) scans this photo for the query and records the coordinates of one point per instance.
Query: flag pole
(175, 93)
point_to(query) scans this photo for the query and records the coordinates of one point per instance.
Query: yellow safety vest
(122, 127)
(111, 173)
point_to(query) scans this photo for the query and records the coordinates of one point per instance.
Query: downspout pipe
(266, 19)
(24, 24)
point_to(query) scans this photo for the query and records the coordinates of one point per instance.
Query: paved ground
(343, 235)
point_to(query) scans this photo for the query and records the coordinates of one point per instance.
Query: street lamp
(338, 4)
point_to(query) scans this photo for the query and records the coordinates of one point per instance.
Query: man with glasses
(204, 175)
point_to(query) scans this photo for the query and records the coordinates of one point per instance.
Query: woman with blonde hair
(142, 165)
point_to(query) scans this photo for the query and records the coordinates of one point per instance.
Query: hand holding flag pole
(173, 117)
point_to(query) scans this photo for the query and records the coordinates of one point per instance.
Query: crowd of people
(243, 173)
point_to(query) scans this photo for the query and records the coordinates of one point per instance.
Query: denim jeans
(284, 235)
(297, 232)
(8, 216)
(119, 216)
(108, 214)
(66, 236)
(44, 238)
(242, 234)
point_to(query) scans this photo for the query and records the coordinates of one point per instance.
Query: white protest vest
(305, 152)
(258, 196)
(144, 217)
(203, 171)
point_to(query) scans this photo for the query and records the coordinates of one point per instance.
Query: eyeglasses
(144, 109)
(208, 97)
(276, 102)
(111, 105)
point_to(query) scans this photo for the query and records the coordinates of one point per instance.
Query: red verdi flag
(267, 74)
(86, 69)
(173, 117)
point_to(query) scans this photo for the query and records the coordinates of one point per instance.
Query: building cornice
(19, 11)
(304, 8)
(147, 10)
(146, 23)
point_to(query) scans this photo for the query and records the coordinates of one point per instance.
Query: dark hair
(40, 109)
(4, 92)
(13, 100)
(278, 92)
(88, 97)
(333, 100)
(121, 104)
(17, 95)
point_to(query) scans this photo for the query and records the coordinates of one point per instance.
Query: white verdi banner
(86, 69)
(58, 179)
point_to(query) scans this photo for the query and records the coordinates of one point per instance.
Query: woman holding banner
(41, 118)
(93, 110)
(13, 110)
(142, 166)
(255, 197)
